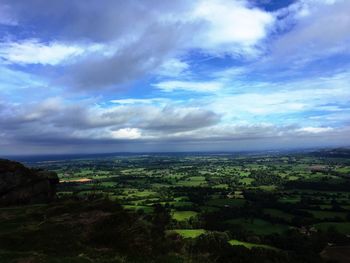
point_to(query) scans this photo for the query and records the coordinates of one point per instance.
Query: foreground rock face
(22, 185)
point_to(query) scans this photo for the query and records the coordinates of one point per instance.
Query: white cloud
(231, 26)
(315, 29)
(32, 51)
(314, 129)
(257, 104)
(169, 86)
(253, 102)
(230, 73)
(50, 105)
(161, 34)
(12, 79)
(126, 133)
(173, 68)
(83, 120)
(140, 101)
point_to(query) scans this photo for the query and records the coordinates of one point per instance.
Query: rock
(21, 185)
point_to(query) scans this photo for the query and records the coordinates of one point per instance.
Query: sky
(99, 76)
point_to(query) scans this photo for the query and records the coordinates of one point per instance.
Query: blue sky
(203, 75)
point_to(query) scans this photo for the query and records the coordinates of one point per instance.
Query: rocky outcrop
(22, 185)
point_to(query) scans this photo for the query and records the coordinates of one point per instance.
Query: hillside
(21, 185)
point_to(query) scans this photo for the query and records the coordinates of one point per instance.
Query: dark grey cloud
(129, 62)
(172, 120)
(55, 119)
(30, 143)
(139, 35)
(98, 21)
(128, 40)
(64, 127)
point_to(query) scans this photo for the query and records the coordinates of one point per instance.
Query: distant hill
(335, 153)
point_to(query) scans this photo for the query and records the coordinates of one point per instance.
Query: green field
(249, 245)
(189, 233)
(251, 201)
(327, 214)
(226, 202)
(183, 215)
(278, 214)
(258, 226)
(339, 226)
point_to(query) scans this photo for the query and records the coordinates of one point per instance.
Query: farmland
(281, 203)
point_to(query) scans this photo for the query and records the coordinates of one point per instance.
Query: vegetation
(249, 245)
(186, 208)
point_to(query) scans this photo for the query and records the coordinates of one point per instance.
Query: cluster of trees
(318, 185)
(145, 236)
(265, 177)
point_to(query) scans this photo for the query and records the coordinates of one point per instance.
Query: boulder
(21, 185)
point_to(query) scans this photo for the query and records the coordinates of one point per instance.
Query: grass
(146, 209)
(197, 178)
(181, 198)
(191, 183)
(258, 226)
(327, 214)
(293, 178)
(343, 227)
(39, 233)
(226, 202)
(247, 181)
(159, 180)
(344, 170)
(144, 193)
(291, 200)
(181, 204)
(249, 245)
(209, 209)
(278, 214)
(220, 186)
(108, 184)
(183, 215)
(266, 187)
(189, 233)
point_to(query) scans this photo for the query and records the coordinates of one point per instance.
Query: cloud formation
(320, 29)
(136, 38)
(31, 51)
(173, 75)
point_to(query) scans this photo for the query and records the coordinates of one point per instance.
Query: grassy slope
(341, 227)
(249, 245)
(258, 226)
(189, 233)
(96, 231)
(183, 215)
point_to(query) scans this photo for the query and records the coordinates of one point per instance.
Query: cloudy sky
(153, 75)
